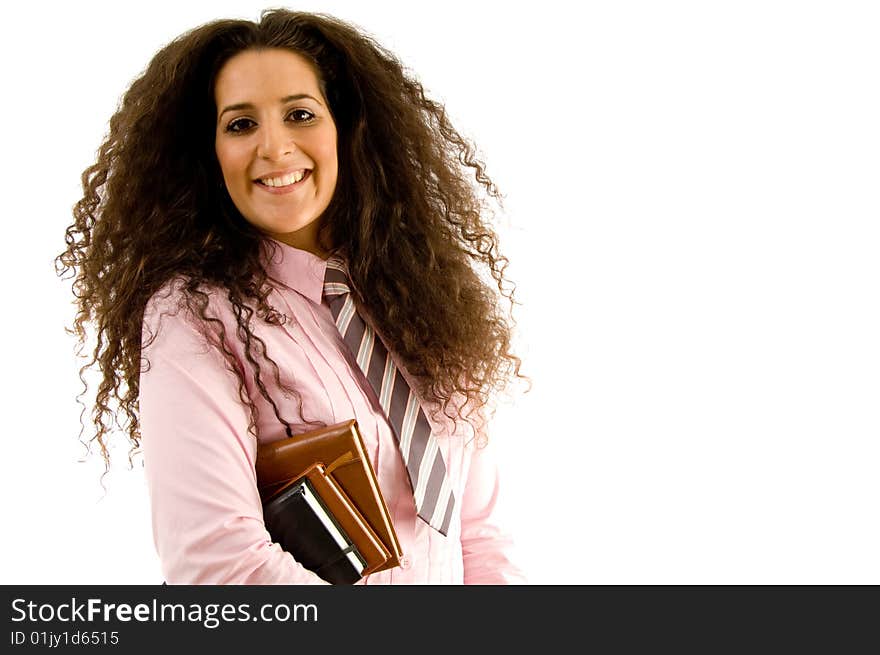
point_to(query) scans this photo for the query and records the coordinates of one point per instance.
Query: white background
(691, 216)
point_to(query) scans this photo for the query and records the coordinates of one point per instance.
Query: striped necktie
(419, 448)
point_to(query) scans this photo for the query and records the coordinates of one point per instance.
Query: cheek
(331, 164)
(230, 162)
(327, 149)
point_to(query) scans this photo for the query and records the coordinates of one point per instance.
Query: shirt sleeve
(488, 550)
(199, 460)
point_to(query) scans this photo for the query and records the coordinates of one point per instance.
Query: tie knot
(336, 278)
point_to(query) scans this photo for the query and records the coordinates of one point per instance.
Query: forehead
(256, 75)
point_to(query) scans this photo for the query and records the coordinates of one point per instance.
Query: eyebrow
(284, 100)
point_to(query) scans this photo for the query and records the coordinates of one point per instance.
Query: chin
(281, 226)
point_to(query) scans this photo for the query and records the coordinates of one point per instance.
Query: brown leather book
(340, 451)
(344, 514)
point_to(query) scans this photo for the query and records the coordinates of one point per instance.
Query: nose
(276, 142)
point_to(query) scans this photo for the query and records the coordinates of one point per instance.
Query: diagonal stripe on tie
(421, 454)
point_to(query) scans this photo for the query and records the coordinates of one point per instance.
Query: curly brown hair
(405, 215)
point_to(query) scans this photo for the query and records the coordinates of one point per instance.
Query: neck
(304, 239)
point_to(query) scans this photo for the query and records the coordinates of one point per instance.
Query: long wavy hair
(405, 214)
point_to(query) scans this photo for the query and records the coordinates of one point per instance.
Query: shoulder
(179, 293)
(462, 419)
(170, 298)
(175, 303)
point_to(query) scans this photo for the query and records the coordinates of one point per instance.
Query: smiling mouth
(286, 182)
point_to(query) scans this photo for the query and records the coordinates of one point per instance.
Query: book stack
(322, 504)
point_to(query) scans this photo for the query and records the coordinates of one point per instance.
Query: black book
(301, 524)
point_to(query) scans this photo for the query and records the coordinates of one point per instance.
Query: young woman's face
(276, 143)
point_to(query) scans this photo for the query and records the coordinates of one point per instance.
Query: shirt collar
(296, 269)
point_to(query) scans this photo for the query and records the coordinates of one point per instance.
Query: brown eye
(302, 116)
(238, 125)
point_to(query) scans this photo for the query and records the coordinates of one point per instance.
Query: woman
(247, 161)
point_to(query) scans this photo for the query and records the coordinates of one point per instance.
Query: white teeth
(287, 180)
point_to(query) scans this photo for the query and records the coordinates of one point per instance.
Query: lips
(284, 189)
(280, 176)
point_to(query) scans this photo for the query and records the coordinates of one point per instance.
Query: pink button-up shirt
(199, 457)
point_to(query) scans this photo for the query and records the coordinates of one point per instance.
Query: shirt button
(405, 563)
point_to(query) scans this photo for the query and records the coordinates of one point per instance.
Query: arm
(486, 548)
(199, 465)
